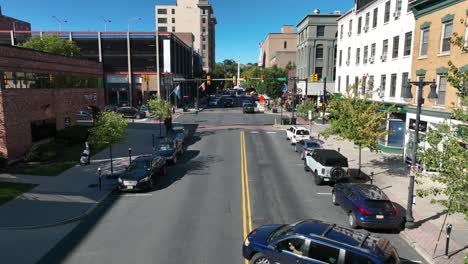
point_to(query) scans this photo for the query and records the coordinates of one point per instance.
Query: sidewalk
(392, 175)
(35, 221)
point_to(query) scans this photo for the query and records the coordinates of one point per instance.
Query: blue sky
(242, 24)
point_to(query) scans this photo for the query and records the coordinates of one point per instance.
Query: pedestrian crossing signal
(208, 79)
(314, 77)
(234, 80)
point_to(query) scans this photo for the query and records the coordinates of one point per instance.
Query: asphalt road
(196, 215)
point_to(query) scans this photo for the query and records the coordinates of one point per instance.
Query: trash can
(293, 120)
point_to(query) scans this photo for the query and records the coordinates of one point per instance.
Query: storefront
(393, 142)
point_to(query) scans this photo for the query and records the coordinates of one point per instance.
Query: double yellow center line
(246, 211)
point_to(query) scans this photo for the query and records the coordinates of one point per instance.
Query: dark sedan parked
(170, 148)
(366, 206)
(131, 112)
(304, 147)
(248, 108)
(143, 173)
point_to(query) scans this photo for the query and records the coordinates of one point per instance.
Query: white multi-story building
(375, 42)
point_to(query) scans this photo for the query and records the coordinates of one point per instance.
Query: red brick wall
(19, 107)
(6, 23)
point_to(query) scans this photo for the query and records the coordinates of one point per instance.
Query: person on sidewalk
(85, 156)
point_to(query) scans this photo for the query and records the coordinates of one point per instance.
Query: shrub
(44, 152)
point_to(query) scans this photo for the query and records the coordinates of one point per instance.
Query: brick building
(11, 23)
(41, 93)
(279, 48)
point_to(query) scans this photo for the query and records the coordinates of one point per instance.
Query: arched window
(319, 52)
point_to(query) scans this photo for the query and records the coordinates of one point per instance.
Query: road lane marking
(253, 132)
(136, 194)
(246, 209)
(324, 193)
(271, 132)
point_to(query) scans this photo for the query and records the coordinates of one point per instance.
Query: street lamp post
(407, 95)
(131, 19)
(130, 155)
(106, 21)
(60, 21)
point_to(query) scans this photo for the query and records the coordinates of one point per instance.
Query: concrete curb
(422, 252)
(66, 221)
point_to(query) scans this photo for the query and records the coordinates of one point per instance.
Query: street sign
(310, 115)
(281, 79)
(285, 89)
(261, 98)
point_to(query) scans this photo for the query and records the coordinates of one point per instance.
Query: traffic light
(234, 80)
(316, 77)
(312, 78)
(51, 77)
(208, 79)
(245, 77)
(262, 77)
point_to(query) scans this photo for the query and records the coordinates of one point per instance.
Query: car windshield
(139, 165)
(247, 105)
(302, 132)
(281, 231)
(165, 146)
(313, 145)
(379, 204)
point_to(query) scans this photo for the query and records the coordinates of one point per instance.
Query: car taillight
(363, 211)
(393, 212)
(294, 136)
(323, 171)
(311, 137)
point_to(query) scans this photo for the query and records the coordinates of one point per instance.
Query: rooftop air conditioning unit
(366, 28)
(383, 57)
(371, 59)
(396, 14)
(347, 62)
(349, 33)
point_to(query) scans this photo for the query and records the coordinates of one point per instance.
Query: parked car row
(313, 241)
(146, 171)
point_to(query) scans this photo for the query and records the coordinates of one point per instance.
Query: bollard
(449, 230)
(371, 177)
(130, 155)
(339, 149)
(99, 178)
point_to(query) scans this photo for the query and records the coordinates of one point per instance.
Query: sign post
(310, 121)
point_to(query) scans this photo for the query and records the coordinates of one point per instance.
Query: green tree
(109, 129)
(161, 109)
(54, 45)
(444, 149)
(357, 119)
(304, 108)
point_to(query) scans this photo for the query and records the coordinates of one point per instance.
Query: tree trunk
(111, 167)
(160, 129)
(359, 165)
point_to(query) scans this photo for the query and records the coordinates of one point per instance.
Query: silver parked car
(304, 147)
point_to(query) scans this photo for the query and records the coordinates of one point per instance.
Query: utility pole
(324, 100)
(238, 72)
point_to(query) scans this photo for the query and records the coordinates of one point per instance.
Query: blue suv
(313, 241)
(366, 206)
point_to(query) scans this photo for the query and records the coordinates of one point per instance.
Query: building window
(404, 79)
(320, 31)
(367, 20)
(393, 80)
(359, 25)
(204, 46)
(173, 11)
(350, 28)
(407, 49)
(203, 20)
(204, 38)
(424, 42)
(203, 29)
(383, 84)
(446, 35)
(441, 89)
(173, 29)
(319, 52)
(349, 56)
(162, 20)
(387, 12)
(341, 31)
(397, 9)
(366, 52)
(339, 84)
(396, 43)
(358, 55)
(385, 49)
(285, 44)
(372, 51)
(204, 11)
(341, 57)
(347, 82)
(375, 17)
(173, 20)
(356, 82)
(162, 29)
(318, 70)
(162, 11)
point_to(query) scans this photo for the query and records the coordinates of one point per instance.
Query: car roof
(329, 153)
(313, 228)
(369, 191)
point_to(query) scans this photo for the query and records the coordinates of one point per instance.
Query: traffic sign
(261, 98)
(281, 79)
(299, 90)
(285, 89)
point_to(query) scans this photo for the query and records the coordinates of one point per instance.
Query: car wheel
(306, 168)
(317, 179)
(334, 199)
(352, 220)
(259, 258)
(295, 148)
(138, 116)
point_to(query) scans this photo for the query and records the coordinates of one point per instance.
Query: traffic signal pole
(324, 100)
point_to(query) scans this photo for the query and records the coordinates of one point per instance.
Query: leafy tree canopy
(110, 128)
(52, 44)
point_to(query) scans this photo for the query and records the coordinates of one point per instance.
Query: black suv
(313, 241)
(131, 112)
(143, 173)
